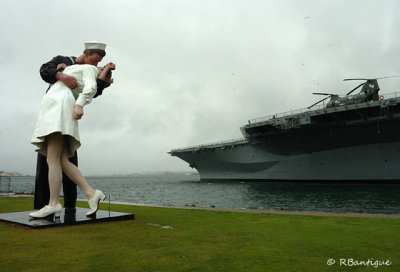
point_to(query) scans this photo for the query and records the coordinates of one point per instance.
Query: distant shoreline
(138, 174)
(11, 174)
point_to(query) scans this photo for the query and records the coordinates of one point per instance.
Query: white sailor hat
(95, 45)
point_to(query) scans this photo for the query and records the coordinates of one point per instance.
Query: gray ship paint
(353, 138)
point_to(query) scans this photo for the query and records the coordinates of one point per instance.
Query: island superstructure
(351, 138)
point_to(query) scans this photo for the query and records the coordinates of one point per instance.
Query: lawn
(169, 239)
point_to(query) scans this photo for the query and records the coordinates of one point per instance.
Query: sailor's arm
(51, 72)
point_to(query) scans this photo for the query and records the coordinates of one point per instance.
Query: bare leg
(55, 144)
(75, 174)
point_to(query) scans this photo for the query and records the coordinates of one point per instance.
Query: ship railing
(306, 110)
(390, 95)
(284, 114)
(210, 145)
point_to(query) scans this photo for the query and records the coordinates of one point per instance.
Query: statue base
(23, 219)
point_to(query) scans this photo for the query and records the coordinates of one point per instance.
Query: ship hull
(371, 162)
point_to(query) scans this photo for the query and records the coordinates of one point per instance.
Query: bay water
(187, 190)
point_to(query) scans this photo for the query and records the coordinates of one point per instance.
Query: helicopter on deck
(369, 92)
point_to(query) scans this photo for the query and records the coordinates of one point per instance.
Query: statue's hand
(78, 112)
(68, 81)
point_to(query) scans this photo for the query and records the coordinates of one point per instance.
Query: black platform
(66, 219)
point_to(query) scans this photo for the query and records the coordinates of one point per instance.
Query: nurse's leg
(73, 172)
(55, 142)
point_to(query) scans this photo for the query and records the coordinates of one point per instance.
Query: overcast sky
(188, 72)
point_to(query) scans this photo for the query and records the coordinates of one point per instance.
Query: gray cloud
(188, 72)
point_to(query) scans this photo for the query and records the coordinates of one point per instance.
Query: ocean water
(188, 190)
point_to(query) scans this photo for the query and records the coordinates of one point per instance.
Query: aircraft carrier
(350, 138)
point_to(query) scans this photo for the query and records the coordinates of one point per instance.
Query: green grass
(199, 240)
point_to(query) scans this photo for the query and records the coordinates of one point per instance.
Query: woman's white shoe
(47, 210)
(94, 202)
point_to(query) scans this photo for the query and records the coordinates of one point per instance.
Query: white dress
(57, 107)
